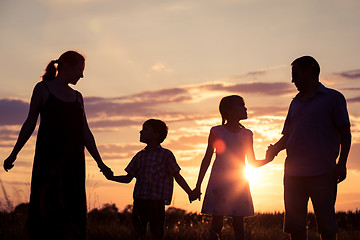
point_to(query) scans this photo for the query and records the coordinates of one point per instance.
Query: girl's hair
(226, 103)
(70, 57)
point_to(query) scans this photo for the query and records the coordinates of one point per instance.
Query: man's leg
(323, 196)
(296, 200)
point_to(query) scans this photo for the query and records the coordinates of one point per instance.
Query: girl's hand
(9, 162)
(270, 153)
(195, 194)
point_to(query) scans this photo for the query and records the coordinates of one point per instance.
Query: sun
(252, 174)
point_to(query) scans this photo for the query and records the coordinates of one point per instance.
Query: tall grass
(108, 223)
(8, 203)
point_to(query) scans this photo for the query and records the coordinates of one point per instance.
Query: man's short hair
(159, 127)
(308, 62)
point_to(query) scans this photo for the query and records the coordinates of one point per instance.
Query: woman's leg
(216, 226)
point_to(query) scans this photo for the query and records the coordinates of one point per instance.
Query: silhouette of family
(316, 133)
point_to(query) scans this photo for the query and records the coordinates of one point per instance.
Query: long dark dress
(58, 200)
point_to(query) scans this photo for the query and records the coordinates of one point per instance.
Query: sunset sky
(175, 60)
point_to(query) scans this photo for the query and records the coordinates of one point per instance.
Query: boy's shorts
(152, 212)
(322, 190)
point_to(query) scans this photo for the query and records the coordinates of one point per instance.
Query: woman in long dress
(57, 208)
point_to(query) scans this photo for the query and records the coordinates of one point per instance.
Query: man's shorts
(322, 190)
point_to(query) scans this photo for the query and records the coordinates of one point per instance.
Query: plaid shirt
(153, 170)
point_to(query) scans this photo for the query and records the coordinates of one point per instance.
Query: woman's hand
(9, 162)
(108, 173)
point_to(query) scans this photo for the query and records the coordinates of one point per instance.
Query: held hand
(340, 172)
(270, 153)
(9, 163)
(109, 176)
(191, 196)
(108, 173)
(195, 194)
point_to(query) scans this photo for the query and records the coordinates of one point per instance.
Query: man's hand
(340, 172)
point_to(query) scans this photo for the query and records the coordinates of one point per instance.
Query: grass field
(108, 223)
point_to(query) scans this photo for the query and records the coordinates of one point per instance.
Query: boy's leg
(216, 226)
(323, 197)
(298, 236)
(156, 211)
(238, 226)
(140, 218)
(331, 236)
(296, 198)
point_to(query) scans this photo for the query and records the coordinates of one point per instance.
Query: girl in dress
(228, 192)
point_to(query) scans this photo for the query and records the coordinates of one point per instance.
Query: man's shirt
(314, 128)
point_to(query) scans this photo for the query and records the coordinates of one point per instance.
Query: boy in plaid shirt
(154, 168)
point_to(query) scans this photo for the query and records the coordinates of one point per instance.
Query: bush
(108, 223)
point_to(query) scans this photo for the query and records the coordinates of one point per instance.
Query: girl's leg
(216, 226)
(238, 226)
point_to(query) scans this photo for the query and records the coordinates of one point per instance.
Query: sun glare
(252, 174)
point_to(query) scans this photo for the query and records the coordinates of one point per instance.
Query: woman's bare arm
(38, 97)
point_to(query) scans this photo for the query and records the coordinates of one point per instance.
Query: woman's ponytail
(50, 71)
(67, 58)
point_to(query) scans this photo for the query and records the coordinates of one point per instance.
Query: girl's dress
(57, 207)
(228, 191)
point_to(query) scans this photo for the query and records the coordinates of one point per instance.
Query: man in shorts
(316, 130)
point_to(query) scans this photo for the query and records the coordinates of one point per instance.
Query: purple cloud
(177, 94)
(351, 89)
(276, 88)
(272, 111)
(352, 74)
(13, 111)
(8, 135)
(353, 100)
(113, 151)
(145, 104)
(175, 117)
